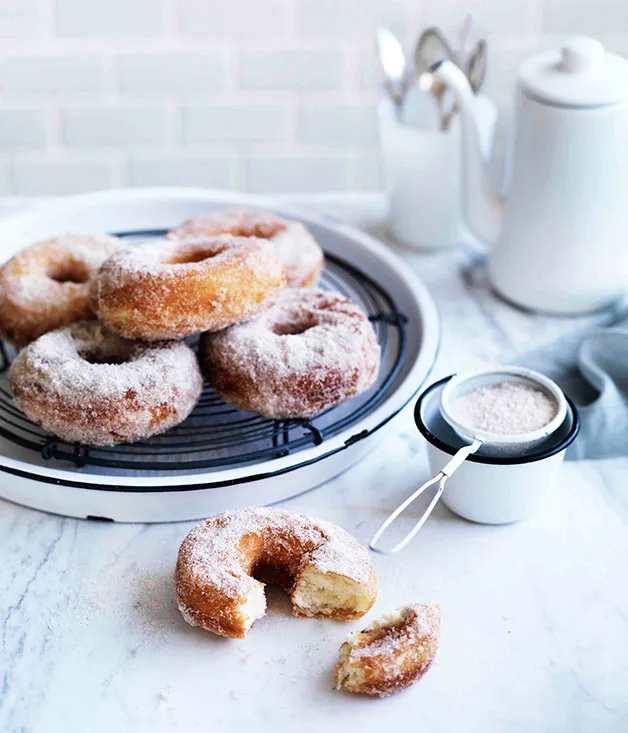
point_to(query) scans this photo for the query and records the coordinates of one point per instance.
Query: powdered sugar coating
(174, 288)
(218, 556)
(506, 408)
(46, 285)
(392, 653)
(85, 383)
(313, 350)
(301, 255)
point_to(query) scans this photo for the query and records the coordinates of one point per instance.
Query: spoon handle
(440, 479)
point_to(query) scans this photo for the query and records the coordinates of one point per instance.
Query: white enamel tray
(218, 458)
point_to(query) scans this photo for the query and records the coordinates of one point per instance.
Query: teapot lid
(580, 74)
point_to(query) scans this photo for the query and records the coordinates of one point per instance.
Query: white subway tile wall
(259, 95)
(108, 18)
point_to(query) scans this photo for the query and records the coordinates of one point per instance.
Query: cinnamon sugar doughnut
(394, 652)
(225, 561)
(313, 350)
(301, 255)
(45, 286)
(85, 383)
(174, 288)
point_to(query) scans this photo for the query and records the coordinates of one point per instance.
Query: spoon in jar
(393, 61)
(431, 48)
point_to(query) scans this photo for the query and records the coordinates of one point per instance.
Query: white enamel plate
(218, 458)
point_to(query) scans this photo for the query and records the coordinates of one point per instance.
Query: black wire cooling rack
(216, 435)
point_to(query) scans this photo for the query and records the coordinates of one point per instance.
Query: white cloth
(592, 369)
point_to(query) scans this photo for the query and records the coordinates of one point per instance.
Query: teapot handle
(482, 209)
(486, 117)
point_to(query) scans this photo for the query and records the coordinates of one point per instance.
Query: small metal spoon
(475, 71)
(393, 61)
(476, 66)
(432, 47)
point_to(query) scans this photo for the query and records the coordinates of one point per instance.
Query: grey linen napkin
(592, 369)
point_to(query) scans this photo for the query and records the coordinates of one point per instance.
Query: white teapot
(559, 240)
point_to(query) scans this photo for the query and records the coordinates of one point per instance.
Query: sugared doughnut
(225, 561)
(394, 652)
(302, 256)
(85, 383)
(313, 350)
(174, 288)
(46, 285)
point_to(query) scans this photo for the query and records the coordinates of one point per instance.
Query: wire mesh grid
(216, 435)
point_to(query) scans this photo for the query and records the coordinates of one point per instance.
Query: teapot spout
(483, 209)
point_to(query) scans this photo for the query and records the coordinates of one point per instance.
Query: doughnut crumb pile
(272, 344)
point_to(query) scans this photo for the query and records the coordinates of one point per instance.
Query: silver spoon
(463, 41)
(431, 48)
(475, 71)
(476, 66)
(393, 61)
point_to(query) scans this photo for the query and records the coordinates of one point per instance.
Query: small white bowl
(492, 489)
(499, 444)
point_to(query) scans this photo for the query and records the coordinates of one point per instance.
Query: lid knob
(581, 54)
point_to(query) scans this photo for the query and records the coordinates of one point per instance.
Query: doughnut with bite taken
(225, 561)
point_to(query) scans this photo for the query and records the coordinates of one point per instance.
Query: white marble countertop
(535, 615)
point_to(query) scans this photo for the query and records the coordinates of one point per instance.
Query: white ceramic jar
(423, 177)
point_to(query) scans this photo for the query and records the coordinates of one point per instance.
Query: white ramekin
(492, 490)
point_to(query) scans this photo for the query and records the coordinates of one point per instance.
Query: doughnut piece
(170, 289)
(394, 652)
(85, 383)
(313, 350)
(225, 561)
(46, 285)
(301, 254)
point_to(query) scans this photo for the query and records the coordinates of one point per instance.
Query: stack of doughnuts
(102, 325)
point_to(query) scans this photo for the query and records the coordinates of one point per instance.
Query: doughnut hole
(294, 327)
(244, 226)
(194, 252)
(68, 271)
(260, 229)
(111, 354)
(326, 594)
(271, 573)
(96, 358)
